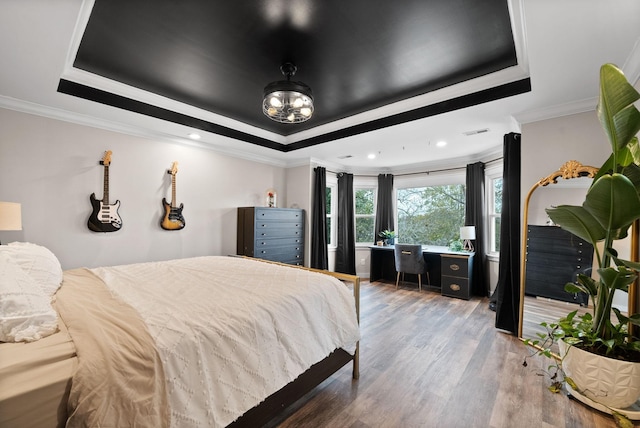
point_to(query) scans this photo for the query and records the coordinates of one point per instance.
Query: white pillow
(26, 313)
(38, 262)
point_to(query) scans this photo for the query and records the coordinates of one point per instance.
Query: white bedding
(231, 331)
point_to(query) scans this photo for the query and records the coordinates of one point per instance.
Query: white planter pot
(607, 381)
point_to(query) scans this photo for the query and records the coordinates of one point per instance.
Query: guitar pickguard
(172, 219)
(105, 217)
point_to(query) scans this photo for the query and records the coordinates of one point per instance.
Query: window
(430, 215)
(495, 210)
(330, 215)
(365, 215)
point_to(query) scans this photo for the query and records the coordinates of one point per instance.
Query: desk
(382, 266)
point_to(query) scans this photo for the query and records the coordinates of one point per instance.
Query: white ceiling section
(560, 46)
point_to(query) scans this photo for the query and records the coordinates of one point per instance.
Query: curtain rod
(419, 172)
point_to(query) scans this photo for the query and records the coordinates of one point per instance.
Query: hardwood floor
(433, 361)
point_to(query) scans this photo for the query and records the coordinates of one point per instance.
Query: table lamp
(10, 216)
(467, 234)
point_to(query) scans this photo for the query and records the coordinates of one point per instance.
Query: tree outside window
(365, 215)
(495, 213)
(430, 215)
(329, 214)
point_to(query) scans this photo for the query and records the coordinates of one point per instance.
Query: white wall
(51, 167)
(298, 190)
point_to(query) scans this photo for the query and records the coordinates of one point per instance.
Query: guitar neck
(173, 190)
(105, 194)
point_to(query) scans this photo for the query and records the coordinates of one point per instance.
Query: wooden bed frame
(273, 405)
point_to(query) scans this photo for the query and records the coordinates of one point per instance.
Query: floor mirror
(551, 257)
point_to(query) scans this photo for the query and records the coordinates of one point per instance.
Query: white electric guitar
(105, 217)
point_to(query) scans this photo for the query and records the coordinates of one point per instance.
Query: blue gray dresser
(275, 234)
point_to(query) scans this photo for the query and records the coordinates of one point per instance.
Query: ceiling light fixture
(286, 101)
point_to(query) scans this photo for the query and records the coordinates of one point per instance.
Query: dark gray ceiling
(356, 55)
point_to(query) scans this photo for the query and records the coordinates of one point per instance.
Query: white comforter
(232, 331)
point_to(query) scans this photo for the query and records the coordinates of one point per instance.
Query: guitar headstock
(174, 169)
(106, 159)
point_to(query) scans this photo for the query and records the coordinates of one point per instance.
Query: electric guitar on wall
(172, 219)
(105, 217)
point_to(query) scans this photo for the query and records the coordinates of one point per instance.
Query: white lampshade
(468, 232)
(10, 216)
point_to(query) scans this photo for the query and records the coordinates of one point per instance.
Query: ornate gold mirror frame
(571, 169)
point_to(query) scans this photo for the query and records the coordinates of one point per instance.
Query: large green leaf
(614, 202)
(578, 221)
(616, 279)
(619, 118)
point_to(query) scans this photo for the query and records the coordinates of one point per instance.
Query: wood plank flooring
(433, 361)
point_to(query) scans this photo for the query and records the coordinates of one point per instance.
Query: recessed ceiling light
(194, 136)
(441, 143)
(371, 156)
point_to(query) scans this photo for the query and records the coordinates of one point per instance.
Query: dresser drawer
(278, 214)
(279, 253)
(455, 266)
(279, 242)
(455, 287)
(266, 230)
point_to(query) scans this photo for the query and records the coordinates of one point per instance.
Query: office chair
(409, 259)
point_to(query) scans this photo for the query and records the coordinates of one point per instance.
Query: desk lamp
(10, 216)
(467, 234)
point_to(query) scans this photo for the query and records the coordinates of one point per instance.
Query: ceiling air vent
(476, 132)
(345, 157)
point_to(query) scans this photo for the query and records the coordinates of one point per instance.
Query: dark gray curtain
(474, 216)
(507, 294)
(384, 211)
(319, 253)
(346, 249)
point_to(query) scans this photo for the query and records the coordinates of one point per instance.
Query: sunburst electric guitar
(172, 219)
(105, 217)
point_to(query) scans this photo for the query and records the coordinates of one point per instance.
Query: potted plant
(389, 236)
(611, 206)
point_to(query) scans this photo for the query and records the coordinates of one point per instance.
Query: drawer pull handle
(454, 267)
(454, 287)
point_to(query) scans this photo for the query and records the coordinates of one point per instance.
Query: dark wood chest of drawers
(456, 274)
(275, 234)
(555, 257)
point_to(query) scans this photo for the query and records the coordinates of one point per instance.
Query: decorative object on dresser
(275, 234)
(105, 216)
(172, 219)
(10, 216)
(457, 270)
(271, 198)
(554, 258)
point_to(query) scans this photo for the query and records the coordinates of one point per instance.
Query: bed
(205, 341)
